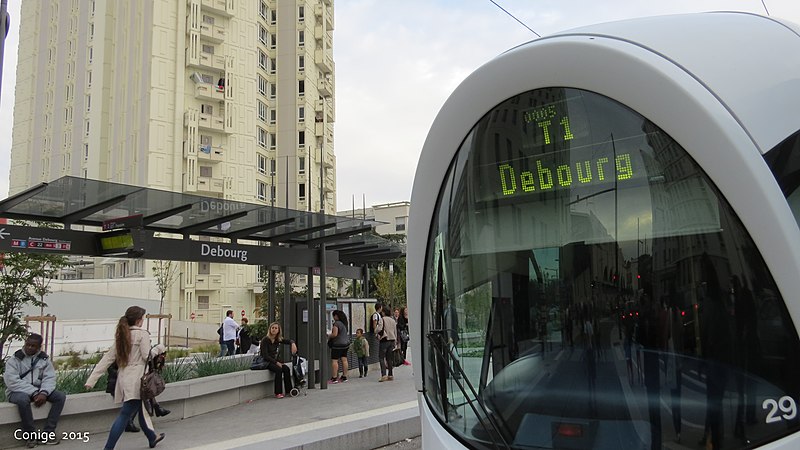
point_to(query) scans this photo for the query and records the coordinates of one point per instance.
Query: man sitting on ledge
(31, 378)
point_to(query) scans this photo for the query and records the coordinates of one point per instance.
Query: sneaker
(32, 443)
(55, 441)
(278, 395)
(343, 380)
(382, 379)
(389, 378)
(406, 363)
(333, 381)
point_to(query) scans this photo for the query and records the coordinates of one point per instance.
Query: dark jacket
(269, 349)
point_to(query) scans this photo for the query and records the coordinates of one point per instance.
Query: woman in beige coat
(130, 350)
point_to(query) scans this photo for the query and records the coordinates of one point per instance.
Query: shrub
(207, 366)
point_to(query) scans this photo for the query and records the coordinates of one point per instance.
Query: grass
(208, 366)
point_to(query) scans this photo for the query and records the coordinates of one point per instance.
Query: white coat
(129, 377)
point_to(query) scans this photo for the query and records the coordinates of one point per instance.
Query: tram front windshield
(587, 286)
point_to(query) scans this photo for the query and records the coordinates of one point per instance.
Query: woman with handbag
(130, 351)
(339, 342)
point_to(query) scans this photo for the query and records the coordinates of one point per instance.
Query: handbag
(258, 363)
(404, 336)
(152, 383)
(396, 358)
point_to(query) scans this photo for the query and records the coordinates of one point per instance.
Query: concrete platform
(359, 414)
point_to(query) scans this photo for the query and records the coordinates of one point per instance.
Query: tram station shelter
(109, 219)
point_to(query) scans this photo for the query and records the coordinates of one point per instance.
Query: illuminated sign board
(566, 144)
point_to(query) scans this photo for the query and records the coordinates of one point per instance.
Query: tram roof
(72, 200)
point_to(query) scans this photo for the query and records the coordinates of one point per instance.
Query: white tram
(604, 248)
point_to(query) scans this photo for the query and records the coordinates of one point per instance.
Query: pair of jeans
(362, 365)
(282, 375)
(226, 348)
(384, 349)
(129, 408)
(23, 402)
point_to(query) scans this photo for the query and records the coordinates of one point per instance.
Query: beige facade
(393, 217)
(222, 98)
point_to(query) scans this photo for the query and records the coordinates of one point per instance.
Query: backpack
(372, 324)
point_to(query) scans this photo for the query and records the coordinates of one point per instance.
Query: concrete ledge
(95, 411)
(378, 431)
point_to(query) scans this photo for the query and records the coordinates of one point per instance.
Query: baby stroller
(299, 368)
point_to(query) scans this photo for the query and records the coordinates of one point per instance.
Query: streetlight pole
(391, 283)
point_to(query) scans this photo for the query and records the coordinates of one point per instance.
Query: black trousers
(283, 378)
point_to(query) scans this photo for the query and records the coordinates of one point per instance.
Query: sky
(397, 61)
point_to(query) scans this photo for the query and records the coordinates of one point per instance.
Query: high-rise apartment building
(229, 99)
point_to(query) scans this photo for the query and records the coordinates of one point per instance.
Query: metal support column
(323, 322)
(312, 334)
(271, 296)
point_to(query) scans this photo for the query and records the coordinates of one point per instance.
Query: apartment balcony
(324, 14)
(211, 122)
(213, 33)
(329, 160)
(224, 7)
(324, 108)
(210, 185)
(324, 130)
(208, 91)
(210, 282)
(206, 61)
(324, 61)
(325, 87)
(210, 154)
(329, 184)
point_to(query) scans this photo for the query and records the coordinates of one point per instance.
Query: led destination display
(545, 174)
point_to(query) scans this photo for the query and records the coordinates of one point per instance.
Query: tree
(17, 280)
(165, 274)
(390, 287)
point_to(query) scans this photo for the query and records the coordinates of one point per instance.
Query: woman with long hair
(269, 351)
(130, 351)
(339, 342)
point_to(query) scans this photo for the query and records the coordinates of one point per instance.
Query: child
(360, 347)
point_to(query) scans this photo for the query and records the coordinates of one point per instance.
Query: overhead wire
(765, 6)
(513, 17)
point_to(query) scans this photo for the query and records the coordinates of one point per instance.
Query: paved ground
(280, 423)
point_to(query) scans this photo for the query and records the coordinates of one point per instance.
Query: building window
(273, 65)
(272, 167)
(301, 138)
(301, 191)
(208, 49)
(208, 19)
(110, 271)
(301, 88)
(206, 109)
(205, 171)
(262, 137)
(273, 41)
(301, 14)
(272, 91)
(400, 223)
(262, 85)
(272, 193)
(263, 34)
(273, 141)
(205, 139)
(262, 59)
(263, 10)
(206, 78)
(301, 114)
(301, 38)
(272, 116)
(273, 17)
(85, 152)
(262, 190)
(301, 165)
(202, 302)
(301, 63)
(262, 164)
(262, 111)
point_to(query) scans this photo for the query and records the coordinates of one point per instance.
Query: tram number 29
(785, 404)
